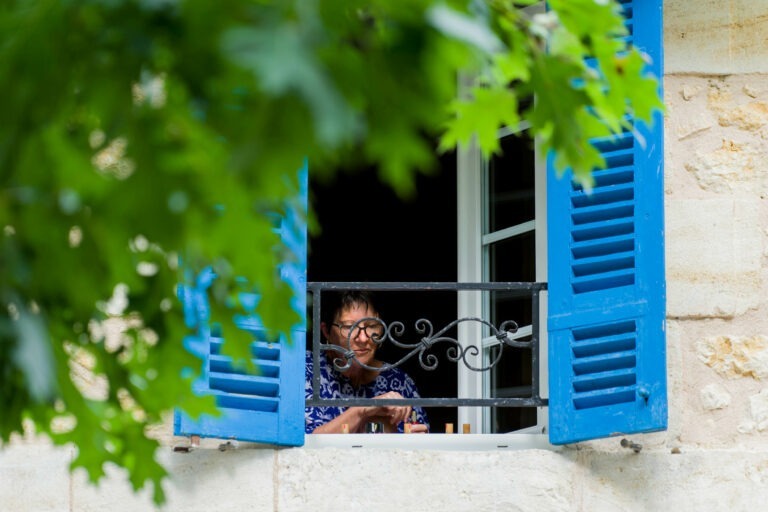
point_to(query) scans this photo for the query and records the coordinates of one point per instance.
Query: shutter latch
(635, 447)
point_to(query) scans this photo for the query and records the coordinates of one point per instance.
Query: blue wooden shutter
(607, 366)
(264, 408)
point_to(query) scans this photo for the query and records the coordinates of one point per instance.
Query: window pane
(511, 378)
(506, 306)
(514, 259)
(511, 183)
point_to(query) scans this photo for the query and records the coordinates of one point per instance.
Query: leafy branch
(134, 133)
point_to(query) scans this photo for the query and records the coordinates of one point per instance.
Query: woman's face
(360, 340)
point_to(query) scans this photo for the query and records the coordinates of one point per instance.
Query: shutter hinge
(194, 442)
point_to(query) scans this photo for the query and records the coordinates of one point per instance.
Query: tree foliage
(135, 134)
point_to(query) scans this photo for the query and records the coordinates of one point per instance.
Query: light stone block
(113, 492)
(200, 481)
(715, 36)
(714, 250)
(34, 478)
(692, 481)
(675, 381)
(385, 480)
(233, 480)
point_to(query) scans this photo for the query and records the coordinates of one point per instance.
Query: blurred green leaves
(134, 133)
(588, 82)
(283, 63)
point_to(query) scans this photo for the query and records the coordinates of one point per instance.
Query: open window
(368, 234)
(602, 255)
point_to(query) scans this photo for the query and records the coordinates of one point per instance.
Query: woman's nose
(362, 335)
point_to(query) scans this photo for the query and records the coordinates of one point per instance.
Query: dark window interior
(369, 234)
(512, 195)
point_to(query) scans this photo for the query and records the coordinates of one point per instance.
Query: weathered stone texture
(718, 132)
(714, 396)
(732, 166)
(752, 116)
(736, 356)
(759, 409)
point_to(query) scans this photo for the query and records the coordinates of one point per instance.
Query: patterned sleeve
(316, 416)
(311, 414)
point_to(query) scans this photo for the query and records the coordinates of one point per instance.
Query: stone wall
(576, 479)
(717, 224)
(716, 180)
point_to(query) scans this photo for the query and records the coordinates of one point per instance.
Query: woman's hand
(393, 414)
(356, 417)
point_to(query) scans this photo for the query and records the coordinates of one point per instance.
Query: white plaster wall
(714, 455)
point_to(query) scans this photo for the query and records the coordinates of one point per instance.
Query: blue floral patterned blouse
(335, 385)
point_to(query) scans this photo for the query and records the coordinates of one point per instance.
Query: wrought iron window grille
(456, 351)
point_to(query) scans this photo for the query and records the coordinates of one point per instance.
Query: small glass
(374, 427)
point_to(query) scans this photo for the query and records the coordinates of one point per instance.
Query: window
(605, 310)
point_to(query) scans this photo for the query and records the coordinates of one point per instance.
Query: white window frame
(473, 266)
(472, 192)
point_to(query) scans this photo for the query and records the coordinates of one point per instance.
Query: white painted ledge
(443, 442)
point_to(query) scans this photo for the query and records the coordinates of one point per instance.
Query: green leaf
(482, 116)
(283, 63)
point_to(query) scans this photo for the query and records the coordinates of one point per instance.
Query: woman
(341, 328)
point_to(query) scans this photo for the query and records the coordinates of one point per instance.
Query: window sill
(443, 442)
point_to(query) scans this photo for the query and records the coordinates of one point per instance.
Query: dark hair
(335, 302)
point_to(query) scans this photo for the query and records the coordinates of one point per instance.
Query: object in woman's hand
(374, 427)
(388, 428)
(408, 423)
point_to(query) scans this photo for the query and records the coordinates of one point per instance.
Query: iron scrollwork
(429, 339)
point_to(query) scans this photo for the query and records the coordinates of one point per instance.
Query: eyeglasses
(373, 330)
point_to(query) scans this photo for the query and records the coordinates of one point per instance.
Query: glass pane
(511, 378)
(514, 259)
(511, 183)
(507, 306)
